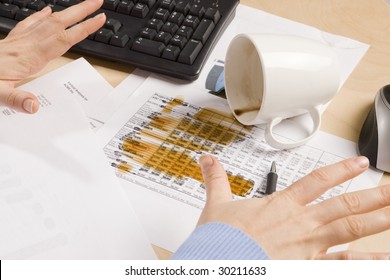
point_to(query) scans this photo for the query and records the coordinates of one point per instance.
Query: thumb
(19, 100)
(216, 181)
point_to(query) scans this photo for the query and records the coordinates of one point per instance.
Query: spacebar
(148, 46)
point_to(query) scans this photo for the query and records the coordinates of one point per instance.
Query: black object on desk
(272, 178)
(172, 37)
(374, 136)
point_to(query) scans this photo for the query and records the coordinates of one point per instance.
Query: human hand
(283, 223)
(35, 41)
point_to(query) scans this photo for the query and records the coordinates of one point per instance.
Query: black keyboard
(171, 37)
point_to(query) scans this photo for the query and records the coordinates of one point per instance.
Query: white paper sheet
(155, 140)
(78, 80)
(58, 197)
(104, 109)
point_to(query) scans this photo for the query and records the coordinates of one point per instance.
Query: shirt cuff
(219, 241)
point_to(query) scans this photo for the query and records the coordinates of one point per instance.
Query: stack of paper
(59, 198)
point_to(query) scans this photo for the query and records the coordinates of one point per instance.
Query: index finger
(78, 12)
(320, 180)
(59, 21)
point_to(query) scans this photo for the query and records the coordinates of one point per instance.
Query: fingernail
(46, 10)
(99, 16)
(28, 105)
(205, 162)
(363, 162)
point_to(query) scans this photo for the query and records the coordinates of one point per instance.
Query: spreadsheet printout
(155, 140)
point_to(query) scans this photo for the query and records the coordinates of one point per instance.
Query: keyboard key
(140, 10)
(168, 4)
(110, 4)
(125, 7)
(212, 14)
(162, 14)
(170, 27)
(197, 10)
(22, 13)
(21, 3)
(171, 52)
(191, 21)
(185, 31)
(148, 46)
(148, 33)
(156, 24)
(119, 40)
(204, 30)
(190, 52)
(177, 18)
(112, 24)
(38, 5)
(182, 7)
(163, 37)
(8, 10)
(179, 41)
(103, 35)
(149, 3)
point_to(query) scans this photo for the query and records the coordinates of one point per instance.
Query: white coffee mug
(269, 78)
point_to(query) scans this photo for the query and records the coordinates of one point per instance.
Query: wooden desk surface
(362, 20)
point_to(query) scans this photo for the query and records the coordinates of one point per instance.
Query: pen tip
(273, 166)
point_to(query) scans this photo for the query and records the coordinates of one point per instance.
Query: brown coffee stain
(124, 167)
(197, 133)
(240, 112)
(179, 101)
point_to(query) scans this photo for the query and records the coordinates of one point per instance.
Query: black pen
(272, 178)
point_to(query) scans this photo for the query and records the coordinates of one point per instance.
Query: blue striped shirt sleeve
(219, 241)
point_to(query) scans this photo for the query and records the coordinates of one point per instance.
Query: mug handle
(275, 143)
